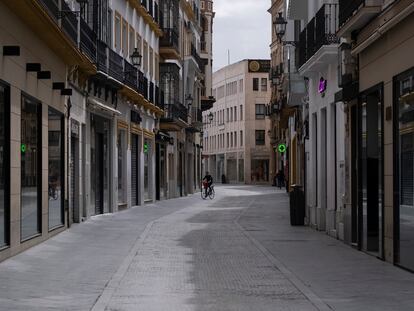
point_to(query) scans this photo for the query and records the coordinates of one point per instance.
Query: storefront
(122, 148)
(4, 164)
(135, 165)
(56, 168)
(404, 168)
(147, 169)
(100, 164)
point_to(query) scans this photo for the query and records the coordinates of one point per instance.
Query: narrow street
(237, 252)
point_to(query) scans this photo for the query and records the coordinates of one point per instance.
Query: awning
(98, 104)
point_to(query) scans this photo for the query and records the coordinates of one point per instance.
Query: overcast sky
(243, 27)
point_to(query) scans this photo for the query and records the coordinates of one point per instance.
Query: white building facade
(236, 147)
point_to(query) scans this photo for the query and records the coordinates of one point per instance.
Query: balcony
(207, 102)
(354, 15)
(60, 35)
(318, 42)
(197, 58)
(87, 40)
(175, 117)
(130, 75)
(196, 120)
(115, 68)
(151, 92)
(169, 45)
(102, 55)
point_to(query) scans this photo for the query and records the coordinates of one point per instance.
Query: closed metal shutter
(134, 169)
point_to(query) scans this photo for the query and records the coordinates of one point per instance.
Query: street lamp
(280, 26)
(189, 100)
(210, 117)
(136, 58)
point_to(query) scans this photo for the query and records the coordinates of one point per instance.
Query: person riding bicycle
(207, 182)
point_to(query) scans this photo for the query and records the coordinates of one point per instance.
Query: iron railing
(87, 40)
(347, 9)
(52, 6)
(130, 75)
(115, 69)
(196, 56)
(102, 55)
(70, 23)
(169, 38)
(320, 31)
(151, 92)
(176, 111)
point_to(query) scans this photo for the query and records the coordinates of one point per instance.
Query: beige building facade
(236, 146)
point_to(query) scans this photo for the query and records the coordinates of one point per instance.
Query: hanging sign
(281, 148)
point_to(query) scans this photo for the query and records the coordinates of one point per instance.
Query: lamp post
(136, 58)
(279, 25)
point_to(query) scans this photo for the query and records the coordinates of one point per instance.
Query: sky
(243, 27)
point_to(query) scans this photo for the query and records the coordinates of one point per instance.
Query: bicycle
(209, 193)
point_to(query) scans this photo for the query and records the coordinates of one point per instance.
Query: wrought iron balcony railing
(115, 69)
(176, 110)
(102, 55)
(320, 31)
(197, 57)
(130, 75)
(170, 38)
(347, 9)
(70, 24)
(87, 40)
(151, 92)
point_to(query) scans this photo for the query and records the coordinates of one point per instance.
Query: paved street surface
(237, 252)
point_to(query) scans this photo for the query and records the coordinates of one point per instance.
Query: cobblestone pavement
(237, 252)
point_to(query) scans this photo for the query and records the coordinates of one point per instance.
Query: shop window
(260, 137)
(4, 164)
(31, 168)
(55, 168)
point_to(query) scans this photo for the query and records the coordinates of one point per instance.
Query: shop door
(73, 177)
(370, 181)
(134, 170)
(99, 186)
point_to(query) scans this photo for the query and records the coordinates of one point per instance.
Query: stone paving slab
(237, 252)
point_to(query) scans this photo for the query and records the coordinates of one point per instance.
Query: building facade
(236, 148)
(377, 86)
(103, 111)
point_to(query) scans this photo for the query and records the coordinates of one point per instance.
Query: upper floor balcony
(60, 29)
(355, 14)
(196, 56)
(318, 42)
(169, 44)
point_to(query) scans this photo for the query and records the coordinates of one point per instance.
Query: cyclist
(207, 182)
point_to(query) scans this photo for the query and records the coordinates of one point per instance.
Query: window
(109, 32)
(235, 113)
(264, 85)
(139, 43)
(228, 140)
(228, 115)
(241, 112)
(117, 32)
(145, 58)
(55, 168)
(124, 38)
(231, 139)
(255, 84)
(241, 85)
(131, 40)
(151, 62)
(235, 139)
(4, 164)
(260, 137)
(260, 111)
(31, 164)
(241, 138)
(157, 67)
(231, 114)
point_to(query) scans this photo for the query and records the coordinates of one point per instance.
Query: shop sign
(322, 86)
(74, 128)
(281, 148)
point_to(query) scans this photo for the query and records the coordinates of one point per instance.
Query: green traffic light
(23, 148)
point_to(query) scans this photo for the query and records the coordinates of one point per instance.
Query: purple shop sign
(322, 85)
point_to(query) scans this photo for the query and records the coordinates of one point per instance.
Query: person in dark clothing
(280, 179)
(207, 182)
